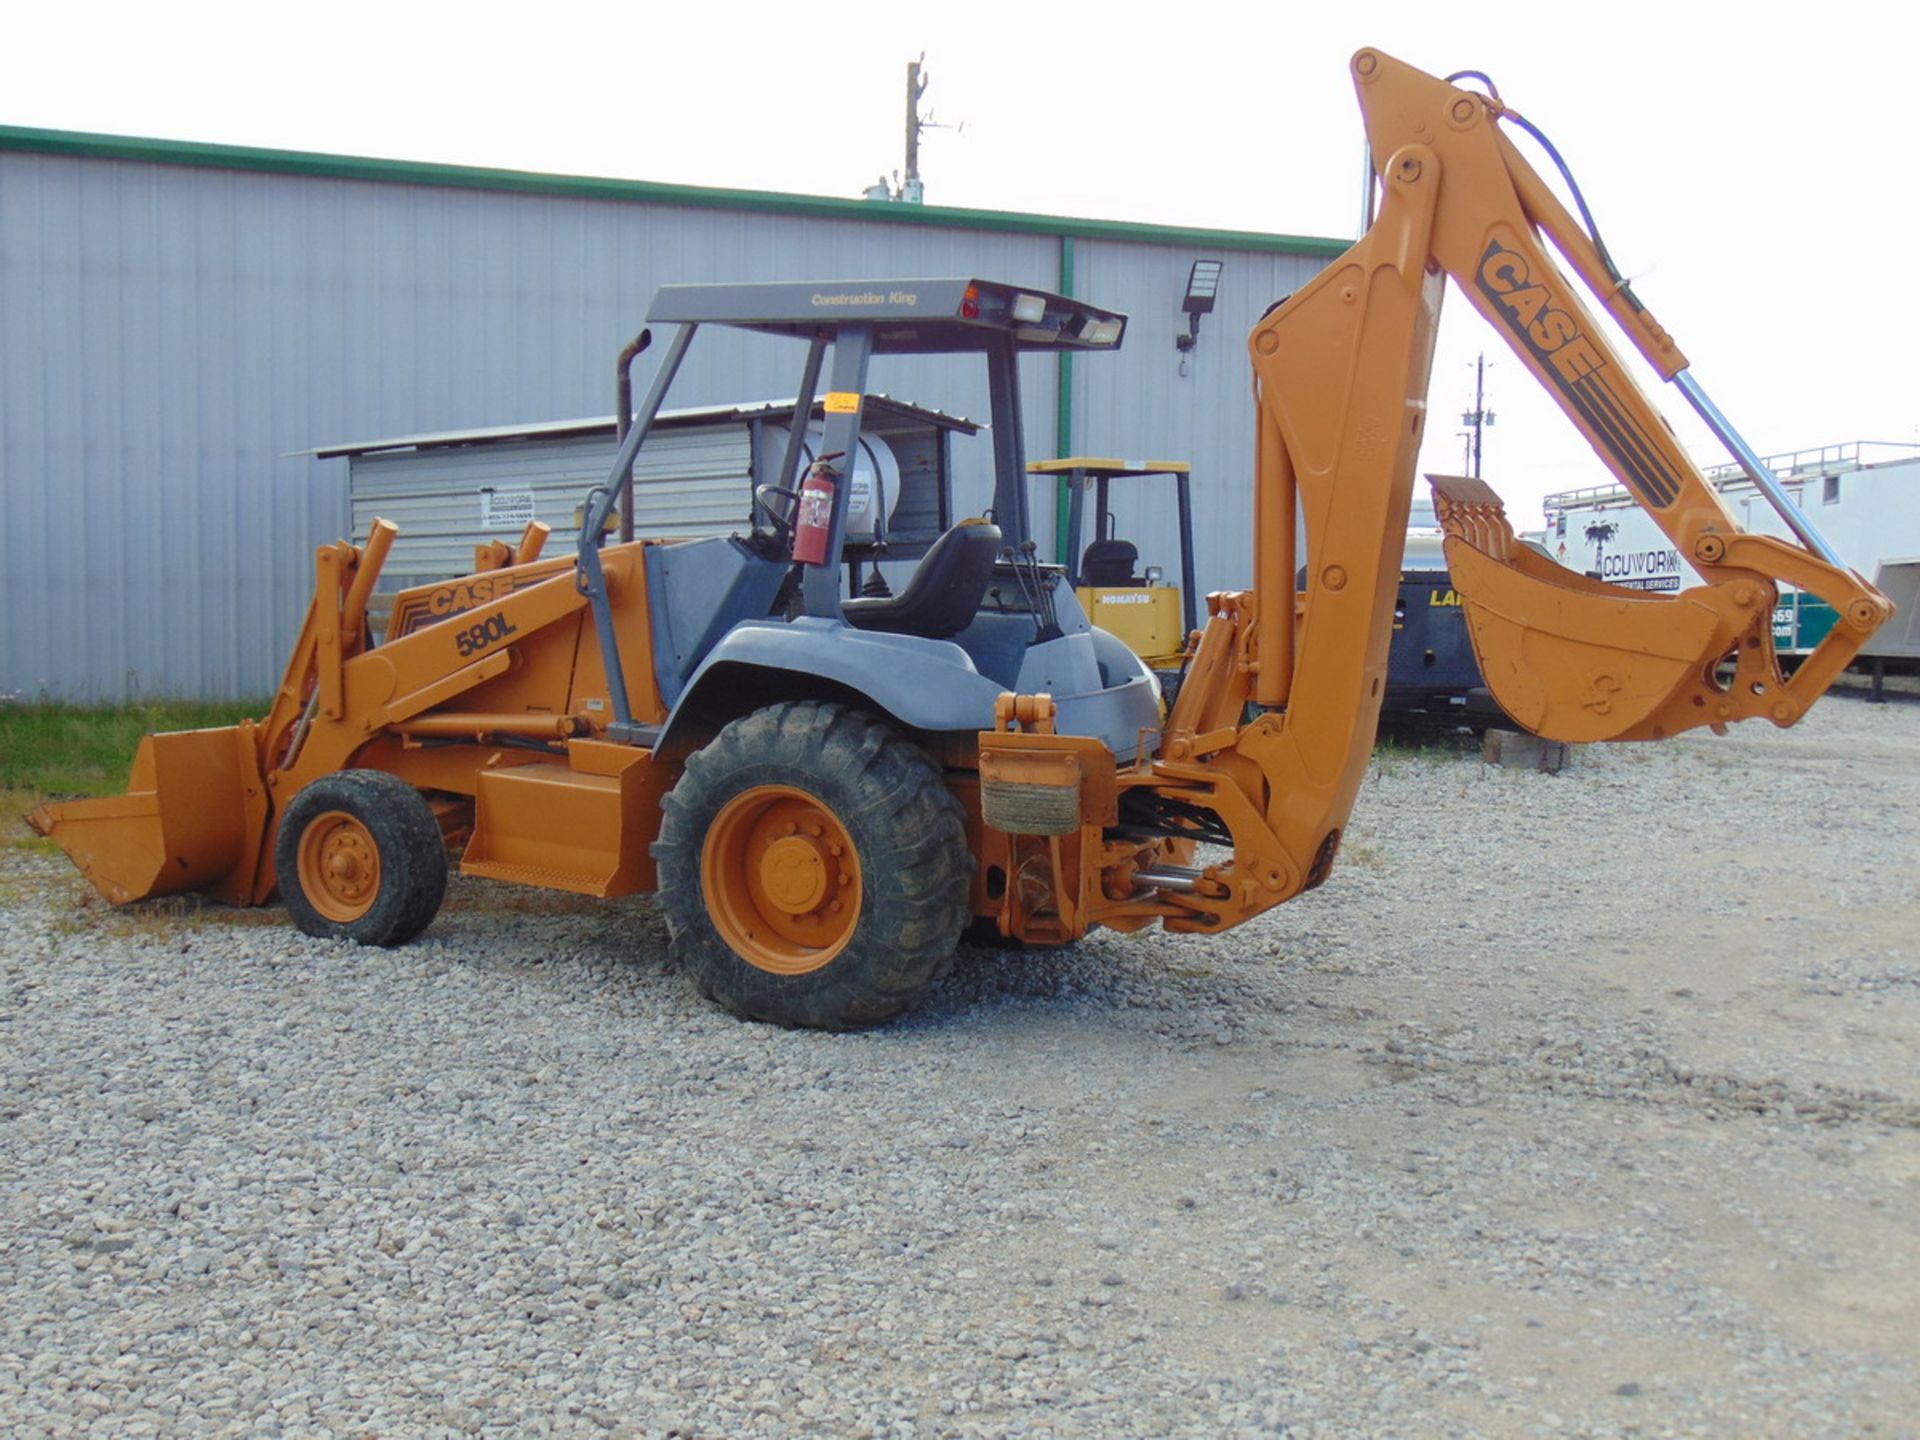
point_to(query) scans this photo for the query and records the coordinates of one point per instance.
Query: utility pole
(908, 188)
(1478, 417)
(911, 190)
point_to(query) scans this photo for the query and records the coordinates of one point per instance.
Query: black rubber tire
(907, 831)
(413, 856)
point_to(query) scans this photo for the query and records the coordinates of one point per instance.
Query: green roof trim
(587, 187)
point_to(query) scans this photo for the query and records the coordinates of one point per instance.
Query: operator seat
(946, 589)
(1108, 564)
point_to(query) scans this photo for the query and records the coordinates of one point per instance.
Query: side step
(586, 827)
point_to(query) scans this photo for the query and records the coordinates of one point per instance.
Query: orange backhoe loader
(826, 790)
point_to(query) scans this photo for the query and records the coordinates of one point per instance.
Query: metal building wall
(1137, 405)
(171, 336)
(432, 495)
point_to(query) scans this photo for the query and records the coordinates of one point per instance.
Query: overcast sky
(1749, 165)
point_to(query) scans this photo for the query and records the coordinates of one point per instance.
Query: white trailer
(1863, 497)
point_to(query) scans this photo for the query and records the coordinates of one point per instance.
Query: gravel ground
(1585, 1104)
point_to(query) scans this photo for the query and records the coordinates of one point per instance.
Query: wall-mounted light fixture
(1203, 283)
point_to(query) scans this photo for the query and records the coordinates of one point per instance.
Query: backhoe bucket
(1569, 657)
(192, 819)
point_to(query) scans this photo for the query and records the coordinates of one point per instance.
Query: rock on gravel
(1580, 1104)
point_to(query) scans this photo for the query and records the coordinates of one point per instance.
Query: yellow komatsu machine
(1134, 602)
(826, 790)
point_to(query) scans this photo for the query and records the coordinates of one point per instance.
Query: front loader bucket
(1571, 658)
(192, 819)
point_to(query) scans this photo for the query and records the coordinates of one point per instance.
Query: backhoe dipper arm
(1341, 374)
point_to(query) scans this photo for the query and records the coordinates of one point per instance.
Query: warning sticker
(842, 402)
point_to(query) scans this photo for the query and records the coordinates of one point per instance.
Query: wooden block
(1512, 750)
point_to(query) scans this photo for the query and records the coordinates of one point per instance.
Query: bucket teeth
(1470, 511)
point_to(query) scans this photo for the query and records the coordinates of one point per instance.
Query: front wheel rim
(782, 880)
(339, 866)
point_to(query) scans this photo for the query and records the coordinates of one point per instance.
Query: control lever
(1034, 589)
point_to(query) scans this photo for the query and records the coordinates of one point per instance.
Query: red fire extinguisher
(813, 517)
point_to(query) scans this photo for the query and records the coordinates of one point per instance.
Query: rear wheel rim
(339, 866)
(782, 880)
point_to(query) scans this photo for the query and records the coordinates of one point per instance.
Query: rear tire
(360, 857)
(813, 868)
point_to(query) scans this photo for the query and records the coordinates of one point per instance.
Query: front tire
(813, 868)
(360, 857)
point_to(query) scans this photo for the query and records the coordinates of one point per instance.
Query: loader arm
(1341, 373)
(203, 805)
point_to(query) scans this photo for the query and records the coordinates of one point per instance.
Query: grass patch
(1358, 852)
(50, 751)
(15, 833)
(53, 749)
(1393, 755)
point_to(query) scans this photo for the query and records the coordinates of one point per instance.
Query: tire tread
(413, 856)
(914, 864)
